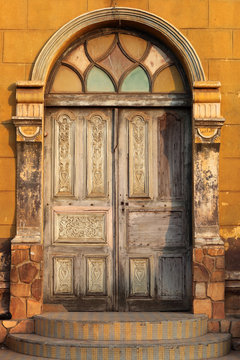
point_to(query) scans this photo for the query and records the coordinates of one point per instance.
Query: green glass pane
(98, 80)
(136, 81)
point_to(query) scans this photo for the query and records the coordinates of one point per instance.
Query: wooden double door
(117, 230)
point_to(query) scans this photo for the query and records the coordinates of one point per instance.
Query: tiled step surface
(121, 326)
(6, 354)
(121, 336)
(204, 347)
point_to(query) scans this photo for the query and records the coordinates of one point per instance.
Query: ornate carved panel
(139, 277)
(96, 155)
(138, 156)
(171, 277)
(64, 154)
(63, 275)
(96, 276)
(80, 228)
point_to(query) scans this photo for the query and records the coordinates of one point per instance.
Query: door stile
(115, 223)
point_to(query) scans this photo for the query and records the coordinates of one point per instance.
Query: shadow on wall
(5, 262)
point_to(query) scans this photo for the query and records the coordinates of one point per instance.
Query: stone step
(203, 347)
(120, 326)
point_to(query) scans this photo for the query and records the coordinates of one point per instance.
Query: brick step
(203, 347)
(120, 326)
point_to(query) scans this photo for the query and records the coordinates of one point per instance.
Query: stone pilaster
(26, 247)
(208, 249)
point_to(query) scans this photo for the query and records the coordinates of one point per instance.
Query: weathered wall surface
(213, 28)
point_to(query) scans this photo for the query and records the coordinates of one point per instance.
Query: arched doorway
(148, 107)
(117, 188)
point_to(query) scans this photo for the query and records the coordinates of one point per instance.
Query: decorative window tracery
(117, 62)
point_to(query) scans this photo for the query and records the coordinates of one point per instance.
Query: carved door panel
(154, 210)
(78, 208)
(122, 175)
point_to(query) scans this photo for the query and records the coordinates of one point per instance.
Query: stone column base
(26, 279)
(209, 281)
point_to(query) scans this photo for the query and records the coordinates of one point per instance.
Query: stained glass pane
(99, 46)
(155, 59)
(98, 80)
(66, 81)
(136, 81)
(169, 81)
(133, 45)
(116, 63)
(78, 59)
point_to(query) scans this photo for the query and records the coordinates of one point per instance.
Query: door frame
(206, 124)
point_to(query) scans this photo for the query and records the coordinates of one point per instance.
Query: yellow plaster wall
(213, 28)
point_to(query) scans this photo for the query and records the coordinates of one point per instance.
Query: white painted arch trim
(69, 31)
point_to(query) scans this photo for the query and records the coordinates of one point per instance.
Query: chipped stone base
(26, 278)
(228, 325)
(15, 327)
(208, 281)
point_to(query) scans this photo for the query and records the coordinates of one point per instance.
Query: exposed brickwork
(37, 289)
(36, 253)
(229, 325)
(225, 326)
(213, 326)
(235, 328)
(218, 310)
(18, 256)
(18, 307)
(27, 272)
(200, 290)
(8, 324)
(15, 327)
(23, 327)
(208, 282)
(202, 307)
(26, 281)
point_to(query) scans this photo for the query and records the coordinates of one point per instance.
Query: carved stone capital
(30, 92)
(207, 133)
(207, 111)
(28, 129)
(29, 111)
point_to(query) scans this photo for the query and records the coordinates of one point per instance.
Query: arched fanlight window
(118, 62)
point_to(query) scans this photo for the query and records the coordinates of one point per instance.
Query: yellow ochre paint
(138, 331)
(149, 331)
(85, 331)
(117, 331)
(106, 331)
(128, 332)
(170, 330)
(179, 330)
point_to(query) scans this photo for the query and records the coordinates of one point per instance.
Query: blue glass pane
(99, 81)
(136, 81)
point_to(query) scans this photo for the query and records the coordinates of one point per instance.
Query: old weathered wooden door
(78, 212)
(154, 221)
(117, 208)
